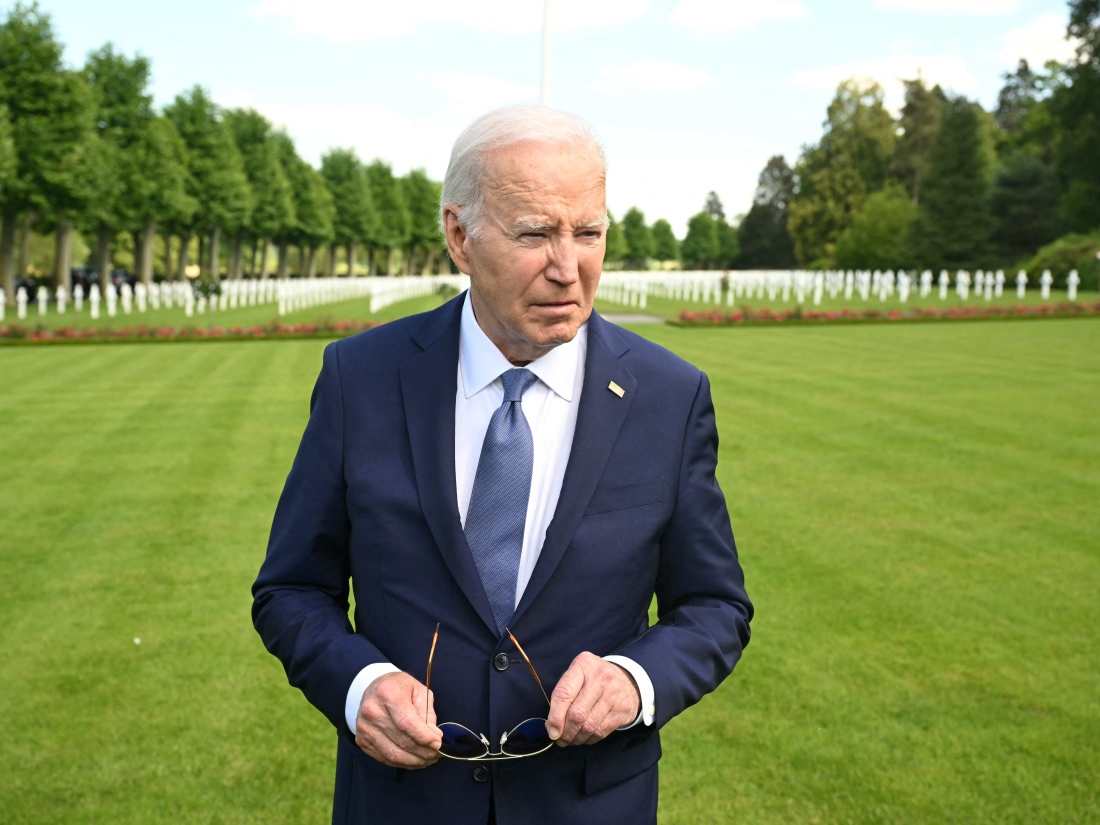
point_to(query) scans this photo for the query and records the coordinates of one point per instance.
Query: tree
(852, 159)
(713, 206)
(49, 111)
(639, 241)
(390, 230)
(878, 235)
(1076, 106)
(615, 249)
(158, 195)
(347, 182)
(1024, 206)
(217, 181)
(729, 249)
(123, 115)
(272, 214)
(919, 122)
(762, 235)
(425, 238)
(700, 247)
(665, 245)
(314, 211)
(954, 224)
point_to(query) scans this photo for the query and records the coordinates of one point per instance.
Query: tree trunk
(7, 256)
(25, 228)
(351, 259)
(330, 261)
(143, 251)
(215, 251)
(202, 251)
(372, 262)
(63, 256)
(236, 255)
(102, 257)
(311, 263)
(265, 248)
(301, 262)
(283, 269)
(181, 271)
(167, 256)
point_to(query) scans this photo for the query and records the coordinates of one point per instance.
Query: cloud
(953, 7)
(709, 16)
(656, 76)
(354, 21)
(948, 70)
(1042, 39)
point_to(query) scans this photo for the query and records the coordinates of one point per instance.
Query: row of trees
(947, 184)
(85, 151)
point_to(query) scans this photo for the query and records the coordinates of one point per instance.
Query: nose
(562, 265)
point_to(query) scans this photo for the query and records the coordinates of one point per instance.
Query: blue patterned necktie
(498, 503)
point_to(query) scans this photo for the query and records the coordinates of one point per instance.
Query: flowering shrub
(273, 329)
(749, 316)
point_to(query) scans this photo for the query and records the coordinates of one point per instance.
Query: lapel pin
(615, 388)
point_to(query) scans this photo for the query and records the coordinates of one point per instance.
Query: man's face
(534, 271)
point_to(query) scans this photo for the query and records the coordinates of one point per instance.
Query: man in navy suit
(617, 502)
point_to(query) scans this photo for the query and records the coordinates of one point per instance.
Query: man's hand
(390, 725)
(593, 699)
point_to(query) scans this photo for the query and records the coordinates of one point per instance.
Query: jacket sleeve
(703, 609)
(300, 598)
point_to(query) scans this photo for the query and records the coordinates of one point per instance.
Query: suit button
(481, 774)
(501, 662)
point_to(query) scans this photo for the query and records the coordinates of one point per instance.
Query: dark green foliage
(346, 180)
(763, 237)
(665, 245)
(729, 249)
(1073, 251)
(391, 230)
(639, 240)
(615, 249)
(262, 156)
(954, 224)
(713, 206)
(700, 248)
(217, 180)
(919, 122)
(834, 177)
(1024, 206)
(877, 237)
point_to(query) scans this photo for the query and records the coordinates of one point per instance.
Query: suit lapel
(599, 419)
(428, 387)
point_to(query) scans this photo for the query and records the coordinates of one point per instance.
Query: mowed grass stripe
(914, 507)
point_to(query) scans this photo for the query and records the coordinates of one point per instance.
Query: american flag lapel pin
(615, 388)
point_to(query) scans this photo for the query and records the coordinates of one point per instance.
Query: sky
(688, 96)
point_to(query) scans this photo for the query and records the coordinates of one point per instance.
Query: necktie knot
(516, 383)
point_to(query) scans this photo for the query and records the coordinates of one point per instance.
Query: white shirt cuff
(359, 686)
(645, 688)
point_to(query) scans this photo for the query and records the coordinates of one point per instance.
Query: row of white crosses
(634, 288)
(287, 295)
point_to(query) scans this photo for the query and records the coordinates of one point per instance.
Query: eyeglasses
(527, 738)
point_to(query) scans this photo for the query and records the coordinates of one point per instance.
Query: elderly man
(506, 481)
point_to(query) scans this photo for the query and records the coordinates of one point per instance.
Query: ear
(455, 237)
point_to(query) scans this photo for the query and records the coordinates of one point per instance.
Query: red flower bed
(275, 329)
(748, 316)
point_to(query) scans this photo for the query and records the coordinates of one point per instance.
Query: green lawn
(916, 509)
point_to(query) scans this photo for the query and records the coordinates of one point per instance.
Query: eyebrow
(521, 226)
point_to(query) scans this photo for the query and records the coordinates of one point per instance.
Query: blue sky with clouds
(688, 95)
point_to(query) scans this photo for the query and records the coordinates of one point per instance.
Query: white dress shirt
(550, 406)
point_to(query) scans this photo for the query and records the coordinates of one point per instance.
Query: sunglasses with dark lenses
(527, 738)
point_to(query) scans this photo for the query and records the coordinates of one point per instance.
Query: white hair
(503, 127)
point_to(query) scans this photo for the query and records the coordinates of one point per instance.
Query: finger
(390, 726)
(561, 700)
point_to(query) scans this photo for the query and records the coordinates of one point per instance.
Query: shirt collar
(481, 363)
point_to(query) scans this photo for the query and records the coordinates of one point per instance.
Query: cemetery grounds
(915, 507)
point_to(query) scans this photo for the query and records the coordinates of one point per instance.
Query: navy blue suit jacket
(371, 497)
